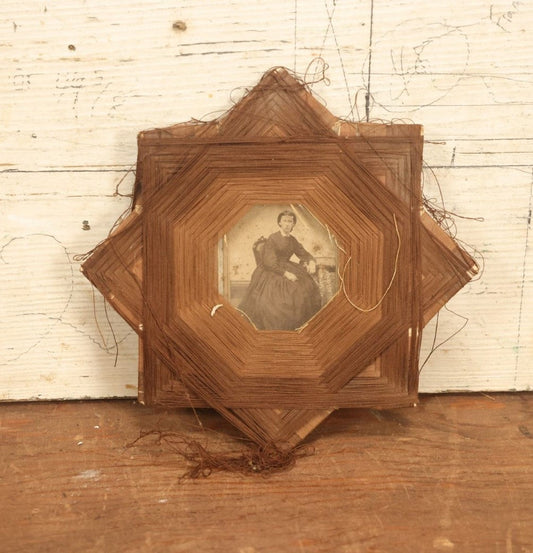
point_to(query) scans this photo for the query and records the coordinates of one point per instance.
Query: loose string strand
(434, 347)
(380, 301)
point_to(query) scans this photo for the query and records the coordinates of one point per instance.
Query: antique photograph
(278, 266)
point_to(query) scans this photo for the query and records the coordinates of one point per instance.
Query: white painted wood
(56, 340)
(70, 115)
(486, 355)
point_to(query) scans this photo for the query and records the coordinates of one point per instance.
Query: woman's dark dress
(272, 301)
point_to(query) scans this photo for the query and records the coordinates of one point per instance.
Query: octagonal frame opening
(278, 265)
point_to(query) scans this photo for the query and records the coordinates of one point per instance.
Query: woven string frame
(278, 134)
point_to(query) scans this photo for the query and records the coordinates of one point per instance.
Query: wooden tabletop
(453, 475)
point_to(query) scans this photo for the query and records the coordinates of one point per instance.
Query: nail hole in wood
(179, 25)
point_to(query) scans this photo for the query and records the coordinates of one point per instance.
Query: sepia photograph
(278, 265)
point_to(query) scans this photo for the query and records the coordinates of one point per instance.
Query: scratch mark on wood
(412, 53)
(524, 430)
(37, 339)
(224, 53)
(22, 81)
(47, 320)
(91, 474)
(505, 19)
(339, 54)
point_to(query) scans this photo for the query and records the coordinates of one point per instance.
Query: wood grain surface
(81, 79)
(452, 475)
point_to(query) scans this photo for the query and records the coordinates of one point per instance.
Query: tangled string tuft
(266, 459)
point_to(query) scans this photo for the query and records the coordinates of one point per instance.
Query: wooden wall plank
(485, 353)
(79, 81)
(56, 341)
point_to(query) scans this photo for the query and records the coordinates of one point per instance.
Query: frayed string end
(254, 459)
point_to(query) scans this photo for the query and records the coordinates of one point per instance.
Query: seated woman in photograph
(282, 295)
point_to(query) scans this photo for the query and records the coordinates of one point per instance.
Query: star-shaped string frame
(279, 120)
